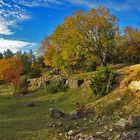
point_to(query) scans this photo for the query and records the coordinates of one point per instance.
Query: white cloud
(10, 15)
(14, 45)
(4, 29)
(114, 5)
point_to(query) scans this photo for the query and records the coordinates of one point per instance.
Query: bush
(22, 88)
(103, 81)
(89, 67)
(23, 80)
(34, 73)
(55, 86)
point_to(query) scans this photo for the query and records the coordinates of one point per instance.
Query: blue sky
(24, 23)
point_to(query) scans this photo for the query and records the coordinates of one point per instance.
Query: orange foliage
(49, 55)
(10, 70)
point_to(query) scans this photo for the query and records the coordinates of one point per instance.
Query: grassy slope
(22, 123)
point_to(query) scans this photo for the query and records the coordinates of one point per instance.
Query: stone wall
(72, 83)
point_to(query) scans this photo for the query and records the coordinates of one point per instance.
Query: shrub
(23, 80)
(34, 73)
(90, 67)
(22, 88)
(55, 86)
(103, 80)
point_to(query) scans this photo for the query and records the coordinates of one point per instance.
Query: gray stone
(55, 113)
(122, 124)
(29, 104)
(72, 133)
(134, 120)
(75, 115)
(55, 124)
(132, 135)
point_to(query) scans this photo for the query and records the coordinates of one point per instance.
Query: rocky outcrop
(37, 82)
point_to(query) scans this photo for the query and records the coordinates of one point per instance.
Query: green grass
(32, 123)
(24, 123)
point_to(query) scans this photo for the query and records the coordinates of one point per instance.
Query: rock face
(75, 83)
(55, 113)
(37, 82)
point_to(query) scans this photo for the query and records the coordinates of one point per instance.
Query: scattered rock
(55, 113)
(134, 120)
(29, 104)
(54, 125)
(122, 124)
(75, 115)
(72, 133)
(86, 137)
(129, 136)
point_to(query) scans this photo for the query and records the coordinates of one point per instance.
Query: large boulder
(55, 113)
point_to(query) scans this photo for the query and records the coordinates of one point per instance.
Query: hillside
(18, 122)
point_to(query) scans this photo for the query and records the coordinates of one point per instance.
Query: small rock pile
(125, 124)
(74, 135)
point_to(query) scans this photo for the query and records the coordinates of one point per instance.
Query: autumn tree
(91, 33)
(10, 71)
(48, 56)
(130, 46)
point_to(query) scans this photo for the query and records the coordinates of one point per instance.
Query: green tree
(8, 54)
(130, 45)
(91, 33)
(1, 55)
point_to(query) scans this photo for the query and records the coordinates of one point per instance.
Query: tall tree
(130, 46)
(93, 33)
(10, 71)
(1, 55)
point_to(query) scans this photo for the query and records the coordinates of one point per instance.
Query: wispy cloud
(10, 15)
(114, 4)
(14, 45)
(4, 28)
(14, 11)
